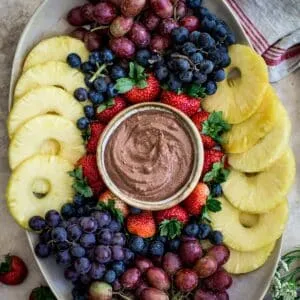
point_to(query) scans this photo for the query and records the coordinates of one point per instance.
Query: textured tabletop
(14, 14)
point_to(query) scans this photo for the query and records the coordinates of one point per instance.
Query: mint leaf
(142, 84)
(80, 184)
(218, 173)
(131, 70)
(205, 215)
(140, 72)
(111, 102)
(196, 91)
(170, 228)
(101, 108)
(213, 204)
(124, 85)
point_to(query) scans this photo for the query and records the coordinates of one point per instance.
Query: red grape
(139, 35)
(181, 9)
(220, 253)
(204, 295)
(152, 293)
(131, 8)
(166, 26)
(158, 278)
(171, 263)
(206, 266)
(117, 3)
(186, 238)
(142, 285)
(157, 260)
(186, 280)
(159, 43)
(222, 296)
(143, 264)
(163, 8)
(120, 26)
(79, 33)
(131, 278)
(150, 20)
(122, 47)
(75, 17)
(219, 281)
(87, 11)
(191, 23)
(117, 285)
(104, 13)
(190, 252)
(92, 41)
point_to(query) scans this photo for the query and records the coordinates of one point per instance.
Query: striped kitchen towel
(273, 26)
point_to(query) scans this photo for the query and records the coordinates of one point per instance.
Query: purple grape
(63, 258)
(45, 236)
(82, 265)
(122, 47)
(64, 224)
(85, 279)
(88, 224)
(103, 218)
(117, 252)
(37, 223)
(117, 285)
(73, 220)
(103, 254)
(97, 271)
(62, 246)
(77, 251)
(105, 237)
(90, 253)
(104, 13)
(114, 226)
(74, 232)
(151, 20)
(42, 250)
(119, 239)
(139, 35)
(71, 274)
(128, 255)
(52, 218)
(88, 240)
(59, 234)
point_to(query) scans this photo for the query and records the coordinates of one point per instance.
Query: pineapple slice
(23, 203)
(43, 100)
(253, 193)
(268, 228)
(245, 262)
(55, 49)
(245, 135)
(267, 150)
(51, 73)
(46, 134)
(238, 98)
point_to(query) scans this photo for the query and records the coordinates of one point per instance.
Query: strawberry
(13, 270)
(139, 86)
(210, 157)
(42, 293)
(197, 199)
(208, 142)
(96, 131)
(176, 212)
(199, 118)
(119, 204)
(187, 104)
(109, 109)
(142, 224)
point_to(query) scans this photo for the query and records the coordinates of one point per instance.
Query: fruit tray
(49, 20)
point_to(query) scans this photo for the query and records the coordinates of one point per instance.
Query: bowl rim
(195, 173)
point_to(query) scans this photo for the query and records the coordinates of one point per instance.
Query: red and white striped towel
(273, 26)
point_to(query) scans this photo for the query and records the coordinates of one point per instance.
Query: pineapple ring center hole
(50, 147)
(233, 76)
(248, 220)
(40, 188)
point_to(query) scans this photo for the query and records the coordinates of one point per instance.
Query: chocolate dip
(150, 156)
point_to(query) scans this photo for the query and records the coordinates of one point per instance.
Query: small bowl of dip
(151, 156)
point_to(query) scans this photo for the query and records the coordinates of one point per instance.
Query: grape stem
(99, 28)
(122, 296)
(98, 73)
(185, 57)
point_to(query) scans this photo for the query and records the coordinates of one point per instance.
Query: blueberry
(83, 123)
(81, 94)
(110, 276)
(191, 230)
(186, 77)
(210, 87)
(59, 234)
(82, 265)
(135, 210)
(230, 39)
(89, 111)
(208, 23)
(204, 231)
(74, 60)
(63, 258)
(203, 12)
(161, 73)
(156, 248)
(194, 36)
(37, 223)
(107, 55)
(68, 210)
(219, 75)
(216, 237)
(128, 255)
(95, 97)
(206, 66)
(173, 245)
(197, 58)
(180, 35)
(77, 251)
(117, 72)
(136, 244)
(225, 60)
(194, 3)
(206, 41)
(45, 236)
(87, 80)
(52, 218)
(42, 250)
(199, 78)
(162, 239)
(145, 249)
(111, 91)
(216, 190)
(87, 67)
(188, 48)
(215, 57)
(174, 83)
(100, 85)
(220, 31)
(95, 58)
(142, 57)
(156, 59)
(118, 267)
(83, 211)
(182, 64)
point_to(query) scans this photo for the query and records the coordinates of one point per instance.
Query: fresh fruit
(185, 103)
(245, 262)
(206, 266)
(191, 23)
(197, 199)
(202, 294)
(245, 135)
(241, 94)
(186, 280)
(171, 263)
(122, 47)
(252, 238)
(110, 109)
(211, 157)
(55, 49)
(166, 26)
(130, 8)
(92, 40)
(142, 225)
(104, 13)
(158, 278)
(96, 129)
(120, 26)
(100, 291)
(220, 253)
(219, 281)
(152, 293)
(174, 213)
(42, 292)
(143, 264)
(13, 270)
(130, 279)
(159, 43)
(156, 248)
(253, 194)
(270, 148)
(151, 20)
(190, 252)
(59, 137)
(140, 35)
(163, 8)
(216, 237)
(76, 18)
(51, 73)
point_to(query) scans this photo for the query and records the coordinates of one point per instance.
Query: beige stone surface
(13, 16)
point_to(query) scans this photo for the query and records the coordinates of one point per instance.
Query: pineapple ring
(46, 134)
(268, 149)
(55, 49)
(239, 98)
(253, 193)
(43, 100)
(50, 73)
(245, 262)
(245, 135)
(267, 230)
(21, 201)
